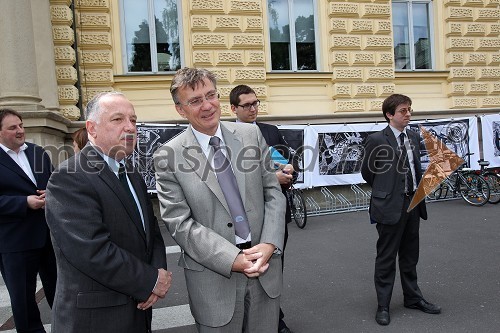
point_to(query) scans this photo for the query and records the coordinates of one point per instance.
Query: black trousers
(19, 271)
(402, 240)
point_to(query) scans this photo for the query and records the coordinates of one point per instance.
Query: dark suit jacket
(106, 261)
(380, 171)
(22, 228)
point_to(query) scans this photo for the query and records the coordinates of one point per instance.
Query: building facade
(310, 61)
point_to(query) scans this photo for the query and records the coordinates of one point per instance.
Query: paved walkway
(328, 283)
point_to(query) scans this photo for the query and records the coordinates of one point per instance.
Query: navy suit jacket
(273, 138)
(22, 228)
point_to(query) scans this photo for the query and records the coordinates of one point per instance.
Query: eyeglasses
(248, 106)
(198, 101)
(405, 111)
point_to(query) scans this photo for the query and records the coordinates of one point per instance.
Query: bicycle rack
(362, 198)
(313, 208)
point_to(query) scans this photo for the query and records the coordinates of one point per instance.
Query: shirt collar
(7, 149)
(113, 164)
(204, 139)
(397, 132)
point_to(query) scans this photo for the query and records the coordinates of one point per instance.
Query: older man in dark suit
(245, 106)
(391, 166)
(25, 247)
(109, 250)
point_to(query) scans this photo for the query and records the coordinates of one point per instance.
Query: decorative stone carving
(94, 20)
(376, 105)
(95, 77)
(457, 89)
(386, 89)
(61, 14)
(260, 91)
(489, 73)
(247, 40)
(348, 74)
(222, 74)
(68, 94)
(225, 110)
(473, 3)
(493, 102)
(363, 58)
(346, 42)
(341, 90)
(379, 74)
(365, 90)
(476, 88)
(64, 55)
(377, 42)
(97, 58)
(350, 105)
(494, 88)
(476, 59)
(462, 74)
(93, 4)
(66, 75)
(461, 44)
(209, 40)
(379, 11)
(63, 35)
(72, 112)
(454, 29)
(475, 29)
(487, 14)
(493, 29)
(463, 102)
(255, 57)
(203, 57)
(452, 2)
(384, 58)
(254, 24)
(254, 74)
(384, 27)
(455, 58)
(361, 26)
(228, 23)
(344, 9)
(494, 59)
(94, 39)
(89, 92)
(338, 25)
(200, 22)
(249, 6)
(230, 57)
(489, 43)
(216, 6)
(340, 58)
(459, 14)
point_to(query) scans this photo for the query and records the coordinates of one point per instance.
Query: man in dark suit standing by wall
(110, 253)
(25, 247)
(391, 166)
(245, 106)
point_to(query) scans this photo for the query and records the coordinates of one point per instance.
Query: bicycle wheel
(475, 191)
(493, 180)
(299, 211)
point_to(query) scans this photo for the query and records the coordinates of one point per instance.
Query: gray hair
(93, 111)
(190, 77)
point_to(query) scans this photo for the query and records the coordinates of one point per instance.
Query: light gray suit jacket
(106, 261)
(197, 216)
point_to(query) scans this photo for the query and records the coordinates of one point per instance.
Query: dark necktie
(406, 161)
(122, 175)
(229, 187)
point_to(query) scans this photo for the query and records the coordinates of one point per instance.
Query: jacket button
(230, 225)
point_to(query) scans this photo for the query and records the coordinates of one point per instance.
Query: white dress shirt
(22, 160)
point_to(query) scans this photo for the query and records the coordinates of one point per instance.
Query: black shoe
(284, 330)
(382, 317)
(425, 306)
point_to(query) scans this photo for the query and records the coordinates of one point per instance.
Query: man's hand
(36, 201)
(243, 262)
(163, 283)
(148, 303)
(284, 174)
(260, 265)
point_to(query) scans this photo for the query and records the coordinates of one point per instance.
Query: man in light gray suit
(234, 279)
(110, 254)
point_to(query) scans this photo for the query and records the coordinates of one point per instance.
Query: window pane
(421, 36)
(167, 35)
(401, 35)
(279, 31)
(137, 36)
(304, 34)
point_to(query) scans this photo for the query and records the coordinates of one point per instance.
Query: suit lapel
(198, 162)
(104, 172)
(135, 179)
(9, 163)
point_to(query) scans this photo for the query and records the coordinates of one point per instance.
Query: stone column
(18, 67)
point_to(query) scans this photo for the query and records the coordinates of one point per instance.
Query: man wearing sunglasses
(245, 106)
(391, 166)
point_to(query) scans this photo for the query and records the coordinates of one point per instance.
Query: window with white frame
(412, 34)
(292, 35)
(151, 48)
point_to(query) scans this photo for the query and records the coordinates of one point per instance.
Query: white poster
(490, 126)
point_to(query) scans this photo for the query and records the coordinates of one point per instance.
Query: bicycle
(472, 188)
(492, 178)
(295, 200)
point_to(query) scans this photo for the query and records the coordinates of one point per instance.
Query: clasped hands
(254, 261)
(36, 201)
(162, 285)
